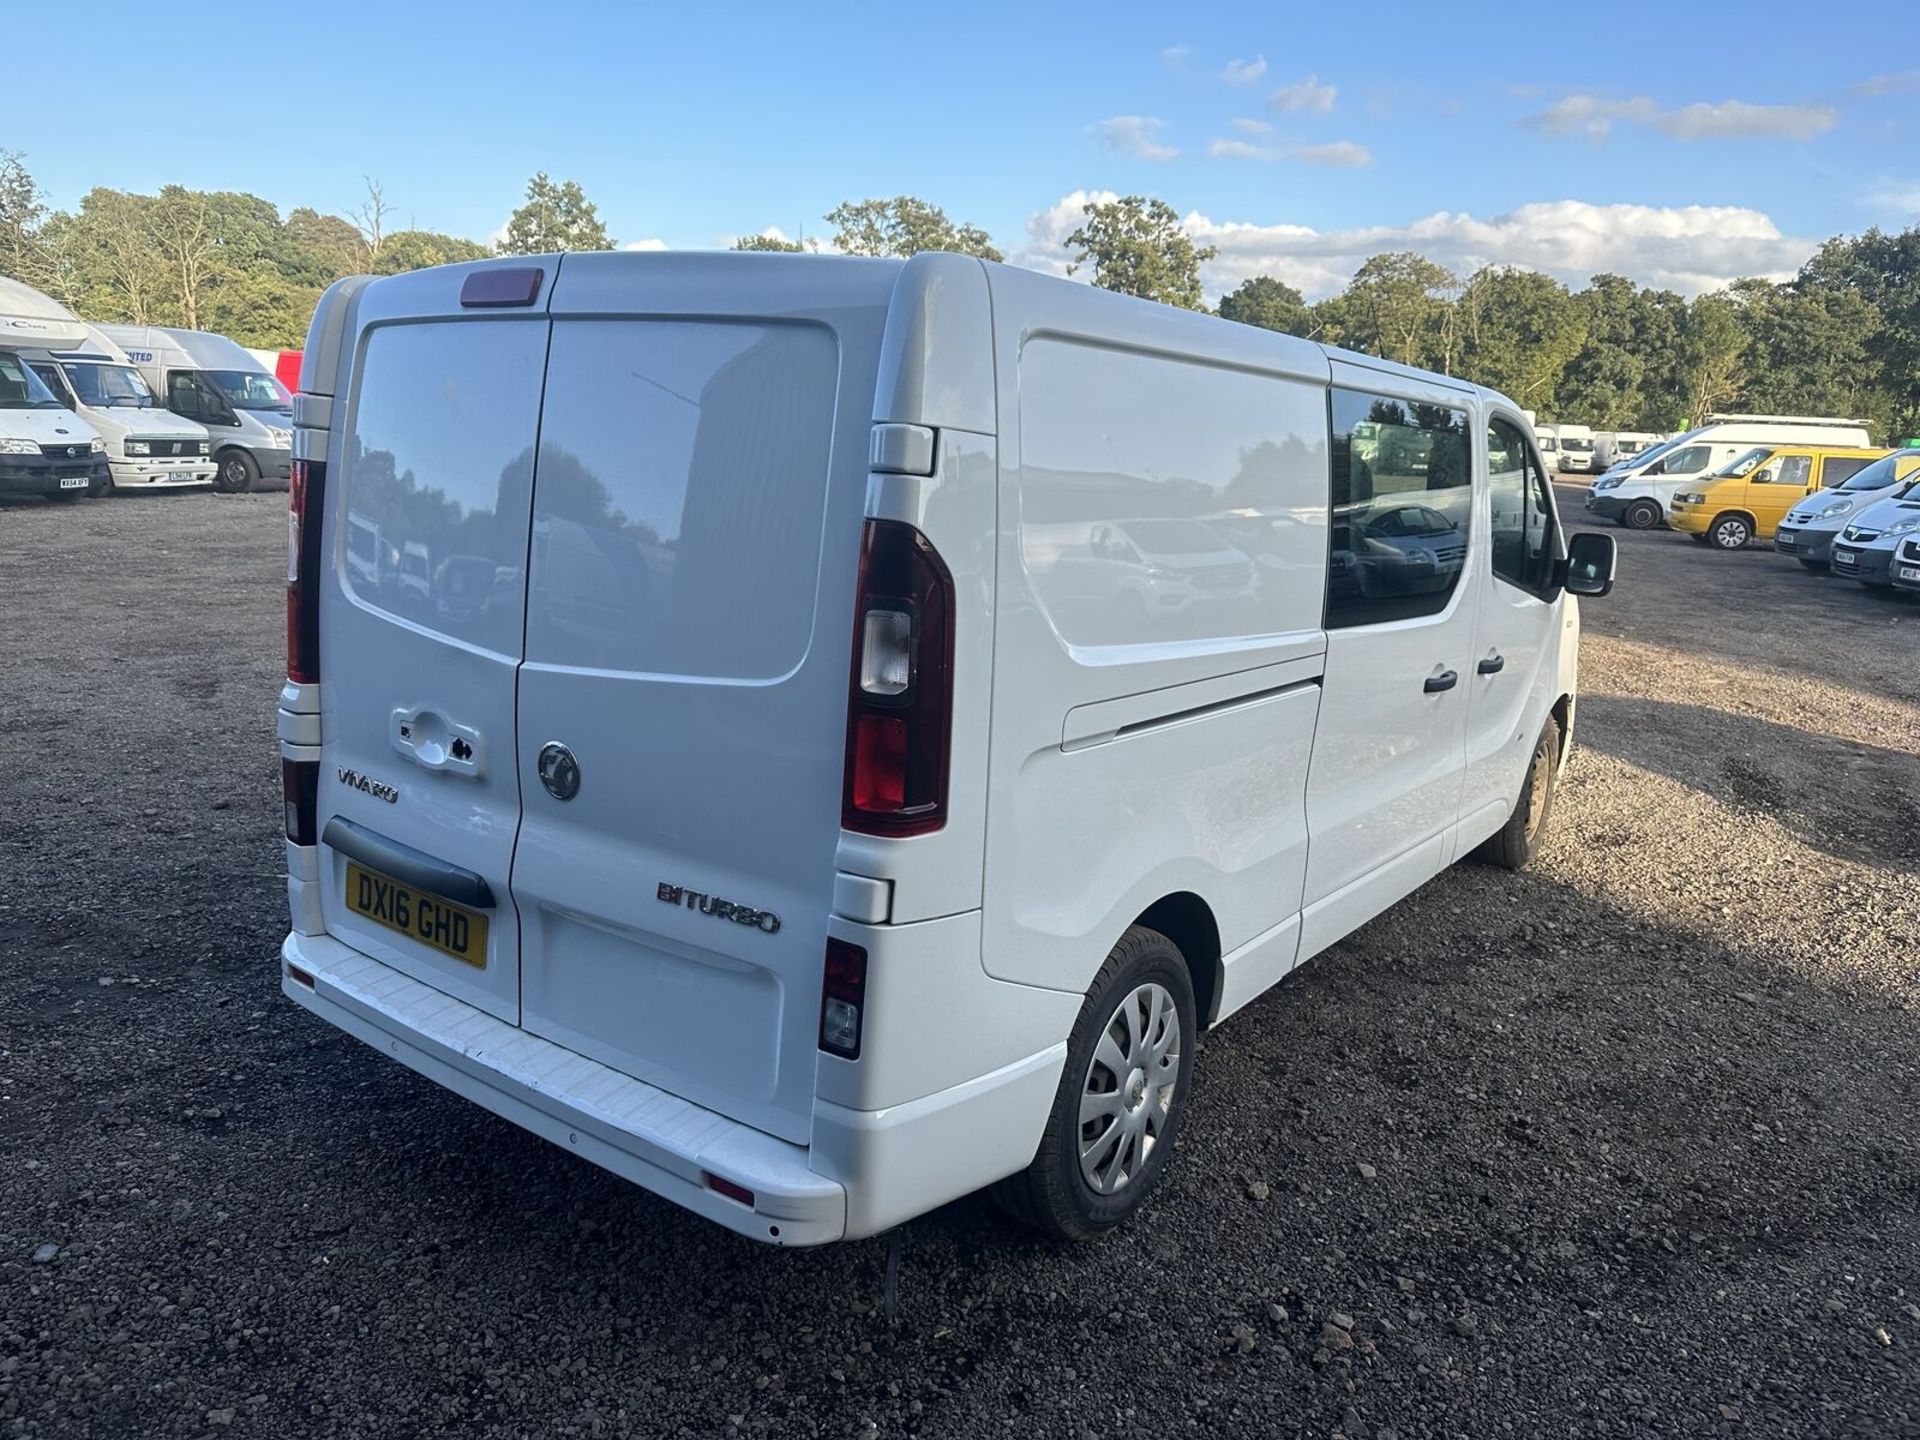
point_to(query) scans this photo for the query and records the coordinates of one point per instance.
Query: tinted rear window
(438, 472)
(681, 485)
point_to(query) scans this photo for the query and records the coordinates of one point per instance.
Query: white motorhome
(46, 448)
(1548, 443)
(213, 380)
(145, 444)
(1611, 447)
(1636, 494)
(1576, 448)
(879, 713)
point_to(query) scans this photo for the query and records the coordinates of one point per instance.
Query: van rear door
(698, 502)
(428, 503)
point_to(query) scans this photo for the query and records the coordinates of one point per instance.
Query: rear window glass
(681, 485)
(438, 472)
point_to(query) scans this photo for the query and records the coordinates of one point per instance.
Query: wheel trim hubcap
(1538, 787)
(1126, 1096)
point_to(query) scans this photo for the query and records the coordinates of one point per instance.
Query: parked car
(1906, 565)
(45, 448)
(1638, 493)
(1808, 530)
(211, 379)
(1747, 499)
(703, 882)
(1864, 551)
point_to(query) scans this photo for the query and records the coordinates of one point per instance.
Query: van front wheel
(1519, 840)
(1121, 1097)
(1730, 532)
(238, 472)
(1641, 515)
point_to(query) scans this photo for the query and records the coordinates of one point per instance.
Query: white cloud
(1738, 120)
(1222, 149)
(1174, 57)
(1308, 94)
(1594, 117)
(1253, 127)
(1903, 197)
(1135, 135)
(1688, 248)
(1896, 84)
(1244, 72)
(1343, 153)
(652, 243)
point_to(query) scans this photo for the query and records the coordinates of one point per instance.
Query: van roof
(202, 348)
(1730, 419)
(31, 319)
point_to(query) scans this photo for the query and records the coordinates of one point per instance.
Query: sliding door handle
(1493, 664)
(1445, 680)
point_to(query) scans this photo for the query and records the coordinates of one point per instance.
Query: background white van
(1636, 494)
(843, 727)
(213, 380)
(1576, 448)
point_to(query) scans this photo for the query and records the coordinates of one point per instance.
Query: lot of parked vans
(1623, 1144)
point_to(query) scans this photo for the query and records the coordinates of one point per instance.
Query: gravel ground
(1622, 1146)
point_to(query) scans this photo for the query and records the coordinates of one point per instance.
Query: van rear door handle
(1493, 664)
(1445, 680)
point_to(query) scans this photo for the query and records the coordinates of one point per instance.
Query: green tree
(771, 244)
(903, 226)
(556, 216)
(404, 250)
(1603, 381)
(1136, 246)
(1519, 331)
(1269, 303)
(1884, 271)
(1713, 344)
(1396, 307)
(23, 211)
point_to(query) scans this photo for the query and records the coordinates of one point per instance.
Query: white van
(804, 822)
(1610, 447)
(213, 380)
(1576, 448)
(1548, 443)
(1638, 493)
(45, 446)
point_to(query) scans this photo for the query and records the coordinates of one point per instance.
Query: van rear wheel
(1121, 1097)
(238, 472)
(1641, 515)
(1519, 840)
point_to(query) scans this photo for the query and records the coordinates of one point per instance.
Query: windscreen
(20, 388)
(1574, 442)
(1743, 464)
(1882, 472)
(251, 390)
(102, 384)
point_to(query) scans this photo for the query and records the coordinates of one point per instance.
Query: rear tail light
(843, 993)
(300, 788)
(305, 496)
(900, 719)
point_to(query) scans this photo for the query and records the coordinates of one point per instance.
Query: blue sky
(1662, 140)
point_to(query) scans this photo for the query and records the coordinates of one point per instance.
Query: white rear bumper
(654, 1139)
(885, 1165)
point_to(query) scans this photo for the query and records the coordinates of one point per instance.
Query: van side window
(1794, 470)
(1687, 460)
(1839, 469)
(1522, 515)
(1402, 508)
(1166, 499)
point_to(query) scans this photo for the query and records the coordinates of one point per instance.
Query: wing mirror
(1588, 568)
(1765, 477)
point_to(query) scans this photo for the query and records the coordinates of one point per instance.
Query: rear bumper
(866, 1170)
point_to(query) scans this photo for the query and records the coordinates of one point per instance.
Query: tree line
(1840, 338)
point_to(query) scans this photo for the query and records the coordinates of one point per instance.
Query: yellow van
(1746, 498)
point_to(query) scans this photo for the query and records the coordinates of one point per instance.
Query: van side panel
(1162, 552)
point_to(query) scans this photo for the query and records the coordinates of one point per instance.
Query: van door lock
(433, 742)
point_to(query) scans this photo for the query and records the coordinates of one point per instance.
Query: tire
(238, 472)
(1063, 1196)
(1640, 515)
(1730, 532)
(1515, 844)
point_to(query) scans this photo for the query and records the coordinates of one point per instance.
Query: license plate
(1784, 542)
(451, 929)
(1843, 559)
(1910, 572)
(74, 482)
